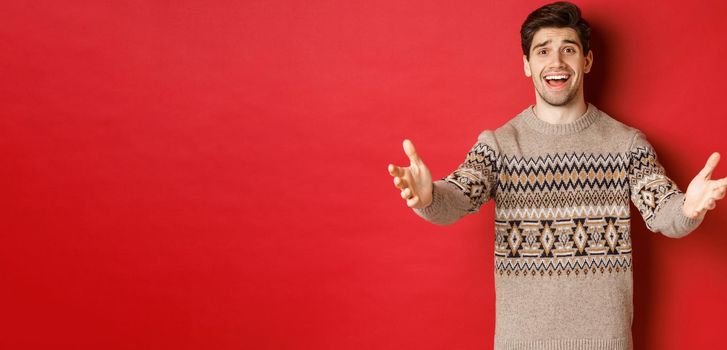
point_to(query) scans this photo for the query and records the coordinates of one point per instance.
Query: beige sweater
(563, 271)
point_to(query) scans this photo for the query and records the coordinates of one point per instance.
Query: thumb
(411, 152)
(709, 167)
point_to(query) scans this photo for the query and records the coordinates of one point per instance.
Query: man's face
(557, 65)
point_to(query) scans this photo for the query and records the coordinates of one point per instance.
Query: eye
(542, 52)
(569, 50)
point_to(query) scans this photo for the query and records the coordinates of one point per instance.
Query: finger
(411, 152)
(711, 204)
(412, 202)
(719, 189)
(395, 170)
(400, 183)
(406, 193)
(720, 194)
(711, 164)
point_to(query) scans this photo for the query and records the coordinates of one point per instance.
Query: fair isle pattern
(477, 171)
(564, 213)
(649, 184)
(572, 237)
(564, 246)
(583, 210)
(591, 232)
(562, 266)
(586, 194)
(589, 192)
(565, 204)
(563, 172)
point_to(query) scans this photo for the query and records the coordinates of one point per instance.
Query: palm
(420, 180)
(415, 181)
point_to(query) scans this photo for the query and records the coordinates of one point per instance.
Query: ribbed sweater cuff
(672, 221)
(436, 207)
(448, 204)
(684, 221)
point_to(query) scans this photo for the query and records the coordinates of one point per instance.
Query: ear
(589, 62)
(526, 67)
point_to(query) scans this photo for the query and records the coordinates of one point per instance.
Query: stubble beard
(557, 101)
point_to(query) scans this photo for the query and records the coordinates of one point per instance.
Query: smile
(556, 80)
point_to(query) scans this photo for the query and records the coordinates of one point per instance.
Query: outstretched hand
(414, 181)
(703, 192)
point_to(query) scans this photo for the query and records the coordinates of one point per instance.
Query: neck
(560, 114)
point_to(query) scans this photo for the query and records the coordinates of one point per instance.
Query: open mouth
(556, 80)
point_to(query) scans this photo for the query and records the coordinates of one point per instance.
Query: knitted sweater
(563, 271)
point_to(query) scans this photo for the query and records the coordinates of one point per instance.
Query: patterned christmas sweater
(563, 270)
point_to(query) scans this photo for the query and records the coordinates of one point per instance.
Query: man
(561, 173)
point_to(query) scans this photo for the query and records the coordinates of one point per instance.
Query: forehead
(556, 36)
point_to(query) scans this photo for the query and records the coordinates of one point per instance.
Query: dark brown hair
(556, 15)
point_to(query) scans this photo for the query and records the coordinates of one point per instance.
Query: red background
(212, 175)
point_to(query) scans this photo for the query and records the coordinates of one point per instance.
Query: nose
(558, 60)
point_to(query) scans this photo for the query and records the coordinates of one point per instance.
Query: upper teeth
(552, 77)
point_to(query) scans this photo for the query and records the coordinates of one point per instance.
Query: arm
(463, 191)
(663, 206)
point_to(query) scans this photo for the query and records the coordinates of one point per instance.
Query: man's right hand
(414, 181)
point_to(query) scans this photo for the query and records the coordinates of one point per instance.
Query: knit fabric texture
(562, 250)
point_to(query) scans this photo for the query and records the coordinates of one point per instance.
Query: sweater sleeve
(467, 187)
(657, 197)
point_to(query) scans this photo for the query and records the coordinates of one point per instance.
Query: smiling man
(557, 64)
(562, 174)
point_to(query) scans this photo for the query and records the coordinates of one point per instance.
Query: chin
(558, 101)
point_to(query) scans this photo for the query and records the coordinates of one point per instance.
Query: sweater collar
(573, 127)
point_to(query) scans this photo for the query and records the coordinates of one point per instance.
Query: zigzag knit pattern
(476, 176)
(650, 185)
(592, 191)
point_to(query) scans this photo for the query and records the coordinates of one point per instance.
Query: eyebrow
(572, 42)
(541, 44)
(567, 41)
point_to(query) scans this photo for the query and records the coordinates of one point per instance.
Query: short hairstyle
(556, 15)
